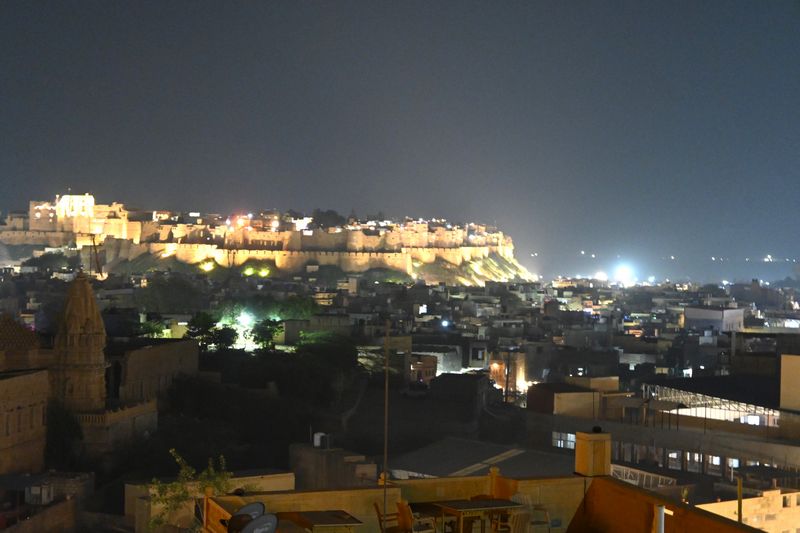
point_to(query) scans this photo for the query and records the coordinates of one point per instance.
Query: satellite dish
(266, 523)
(254, 510)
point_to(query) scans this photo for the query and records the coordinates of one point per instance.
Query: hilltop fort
(434, 250)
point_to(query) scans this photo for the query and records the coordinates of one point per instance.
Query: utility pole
(385, 422)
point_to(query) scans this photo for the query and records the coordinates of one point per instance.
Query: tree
(64, 437)
(264, 331)
(169, 294)
(327, 219)
(200, 327)
(172, 496)
(224, 337)
(152, 329)
(298, 307)
(52, 262)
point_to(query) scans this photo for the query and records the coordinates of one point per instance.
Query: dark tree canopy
(328, 218)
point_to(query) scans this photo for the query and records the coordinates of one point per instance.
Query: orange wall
(612, 506)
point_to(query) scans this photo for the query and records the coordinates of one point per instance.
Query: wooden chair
(392, 525)
(411, 523)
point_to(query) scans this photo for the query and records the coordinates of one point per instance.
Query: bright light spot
(445, 323)
(208, 266)
(672, 257)
(624, 275)
(600, 276)
(593, 256)
(713, 258)
(583, 253)
(245, 319)
(651, 279)
(275, 223)
(423, 308)
(249, 271)
(264, 272)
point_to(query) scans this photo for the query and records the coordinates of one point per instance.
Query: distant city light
(624, 275)
(207, 266)
(264, 272)
(249, 271)
(600, 276)
(245, 319)
(445, 323)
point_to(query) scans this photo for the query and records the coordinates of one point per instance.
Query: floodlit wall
(612, 506)
(772, 512)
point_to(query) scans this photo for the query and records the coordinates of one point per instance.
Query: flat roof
(762, 391)
(453, 456)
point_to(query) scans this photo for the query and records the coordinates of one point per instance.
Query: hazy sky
(640, 129)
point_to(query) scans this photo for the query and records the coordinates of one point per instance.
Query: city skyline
(620, 130)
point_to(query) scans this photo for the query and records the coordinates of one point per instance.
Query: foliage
(265, 306)
(328, 218)
(264, 331)
(200, 327)
(171, 496)
(52, 262)
(64, 437)
(169, 294)
(224, 337)
(152, 329)
(325, 349)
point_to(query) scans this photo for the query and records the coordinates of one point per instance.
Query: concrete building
(23, 417)
(721, 319)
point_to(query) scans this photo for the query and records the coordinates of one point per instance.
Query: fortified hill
(434, 250)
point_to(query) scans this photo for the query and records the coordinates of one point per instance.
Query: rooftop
(751, 389)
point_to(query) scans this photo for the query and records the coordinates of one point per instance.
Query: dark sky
(638, 129)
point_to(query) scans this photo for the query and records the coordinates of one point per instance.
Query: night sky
(631, 129)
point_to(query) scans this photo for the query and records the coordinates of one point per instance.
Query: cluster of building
(693, 386)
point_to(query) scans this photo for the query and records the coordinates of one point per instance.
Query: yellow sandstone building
(78, 372)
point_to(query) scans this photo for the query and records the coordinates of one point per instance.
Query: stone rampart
(294, 261)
